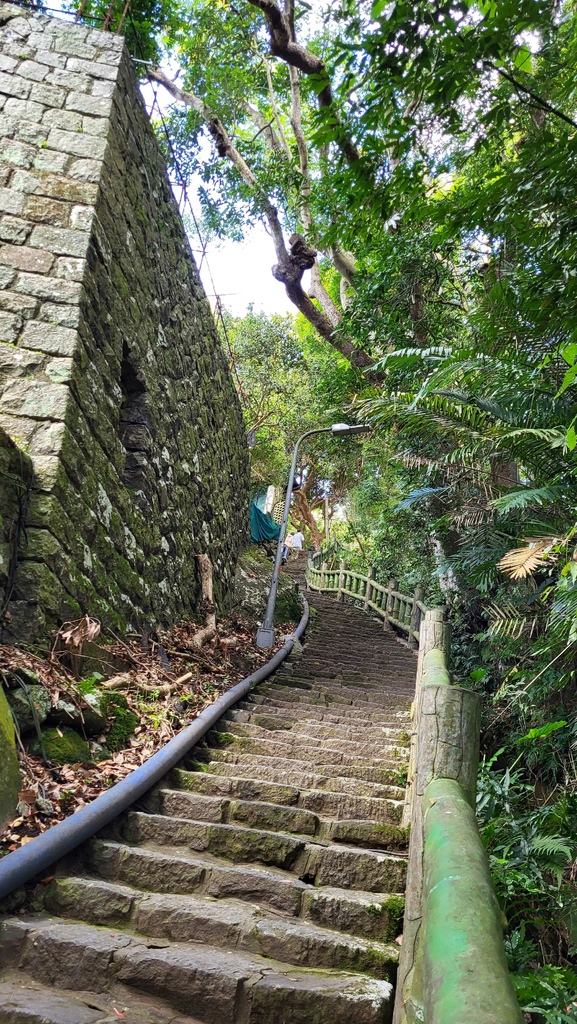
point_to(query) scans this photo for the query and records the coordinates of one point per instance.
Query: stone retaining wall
(112, 378)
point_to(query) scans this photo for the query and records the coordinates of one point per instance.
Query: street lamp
(265, 634)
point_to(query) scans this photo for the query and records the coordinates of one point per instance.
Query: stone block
(35, 399)
(32, 69)
(85, 170)
(48, 160)
(52, 288)
(12, 85)
(18, 153)
(10, 325)
(96, 106)
(14, 229)
(24, 109)
(7, 63)
(70, 268)
(14, 302)
(95, 126)
(59, 370)
(69, 80)
(53, 60)
(31, 132)
(92, 68)
(17, 363)
(62, 241)
(78, 144)
(53, 185)
(63, 315)
(10, 201)
(49, 338)
(67, 120)
(47, 211)
(24, 257)
(49, 95)
(7, 276)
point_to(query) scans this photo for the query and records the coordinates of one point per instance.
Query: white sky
(241, 272)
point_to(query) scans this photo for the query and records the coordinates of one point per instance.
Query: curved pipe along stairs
(253, 871)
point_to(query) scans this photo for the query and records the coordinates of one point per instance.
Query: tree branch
(542, 104)
(284, 45)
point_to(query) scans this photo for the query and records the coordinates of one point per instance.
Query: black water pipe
(36, 856)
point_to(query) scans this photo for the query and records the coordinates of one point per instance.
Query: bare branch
(284, 45)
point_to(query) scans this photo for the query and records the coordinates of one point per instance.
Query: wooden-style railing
(396, 609)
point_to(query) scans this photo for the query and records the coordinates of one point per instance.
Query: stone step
(370, 915)
(328, 805)
(363, 731)
(180, 871)
(241, 788)
(223, 987)
(305, 780)
(319, 740)
(224, 923)
(24, 1000)
(384, 776)
(303, 752)
(250, 813)
(320, 713)
(319, 863)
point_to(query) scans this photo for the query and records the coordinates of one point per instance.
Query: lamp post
(265, 634)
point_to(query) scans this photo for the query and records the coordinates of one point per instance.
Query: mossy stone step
(305, 753)
(332, 805)
(370, 915)
(252, 813)
(224, 923)
(214, 982)
(368, 772)
(304, 780)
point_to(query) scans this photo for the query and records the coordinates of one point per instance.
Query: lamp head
(341, 429)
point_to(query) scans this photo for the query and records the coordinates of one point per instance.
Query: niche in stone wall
(135, 432)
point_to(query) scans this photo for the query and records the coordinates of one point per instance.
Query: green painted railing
(452, 966)
(396, 609)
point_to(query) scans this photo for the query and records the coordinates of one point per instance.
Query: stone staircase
(262, 882)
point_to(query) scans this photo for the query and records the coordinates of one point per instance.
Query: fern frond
(505, 620)
(521, 562)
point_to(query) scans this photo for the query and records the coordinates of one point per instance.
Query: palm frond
(521, 562)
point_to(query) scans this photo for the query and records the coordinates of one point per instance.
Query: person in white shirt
(297, 545)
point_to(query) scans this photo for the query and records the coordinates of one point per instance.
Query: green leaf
(541, 732)
(379, 6)
(571, 438)
(523, 61)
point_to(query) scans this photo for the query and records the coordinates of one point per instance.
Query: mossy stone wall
(9, 777)
(112, 377)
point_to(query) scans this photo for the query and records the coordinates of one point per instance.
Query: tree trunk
(303, 513)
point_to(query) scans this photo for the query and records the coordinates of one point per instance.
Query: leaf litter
(167, 681)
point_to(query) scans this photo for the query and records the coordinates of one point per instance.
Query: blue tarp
(262, 525)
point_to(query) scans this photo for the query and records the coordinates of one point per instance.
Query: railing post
(369, 587)
(324, 575)
(415, 616)
(392, 585)
(341, 579)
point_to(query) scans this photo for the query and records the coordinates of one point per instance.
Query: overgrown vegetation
(427, 154)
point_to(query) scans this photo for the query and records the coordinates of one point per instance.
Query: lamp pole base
(265, 638)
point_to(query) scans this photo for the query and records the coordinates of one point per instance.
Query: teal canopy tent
(262, 525)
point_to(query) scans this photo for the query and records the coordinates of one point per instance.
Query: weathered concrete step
(321, 863)
(368, 772)
(234, 842)
(333, 805)
(23, 1000)
(305, 780)
(304, 753)
(179, 871)
(221, 986)
(251, 813)
(247, 788)
(363, 731)
(176, 871)
(320, 713)
(323, 737)
(229, 924)
(303, 741)
(286, 715)
(342, 696)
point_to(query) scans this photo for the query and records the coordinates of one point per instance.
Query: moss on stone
(9, 776)
(63, 746)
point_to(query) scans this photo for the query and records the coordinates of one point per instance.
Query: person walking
(298, 543)
(288, 543)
